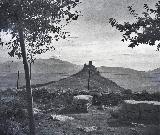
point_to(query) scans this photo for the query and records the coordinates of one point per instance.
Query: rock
(110, 129)
(62, 118)
(81, 103)
(145, 111)
(36, 111)
(82, 98)
(88, 129)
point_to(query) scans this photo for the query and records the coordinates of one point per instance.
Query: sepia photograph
(79, 67)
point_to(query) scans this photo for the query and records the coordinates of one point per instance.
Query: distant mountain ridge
(48, 70)
(43, 71)
(51, 65)
(132, 79)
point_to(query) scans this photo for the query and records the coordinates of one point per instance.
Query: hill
(43, 71)
(47, 70)
(79, 81)
(132, 79)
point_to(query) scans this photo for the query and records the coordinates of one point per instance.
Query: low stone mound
(82, 98)
(80, 104)
(140, 111)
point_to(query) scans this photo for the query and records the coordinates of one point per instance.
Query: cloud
(93, 38)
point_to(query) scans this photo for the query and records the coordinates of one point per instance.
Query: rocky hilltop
(88, 79)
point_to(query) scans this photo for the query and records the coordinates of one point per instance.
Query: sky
(94, 39)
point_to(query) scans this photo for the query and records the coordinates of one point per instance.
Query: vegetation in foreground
(13, 115)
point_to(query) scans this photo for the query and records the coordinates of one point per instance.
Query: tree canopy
(41, 20)
(146, 28)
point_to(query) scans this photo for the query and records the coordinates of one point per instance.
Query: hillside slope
(79, 82)
(131, 79)
(47, 70)
(43, 71)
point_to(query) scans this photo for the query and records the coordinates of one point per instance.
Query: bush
(146, 96)
(111, 99)
(8, 127)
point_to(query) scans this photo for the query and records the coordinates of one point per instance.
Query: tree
(33, 24)
(145, 30)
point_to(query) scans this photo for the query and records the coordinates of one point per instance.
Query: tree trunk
(30, 67)
(18, 80)
(28, 84)
(89, 79)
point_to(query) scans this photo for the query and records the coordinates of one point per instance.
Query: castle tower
(90, 63)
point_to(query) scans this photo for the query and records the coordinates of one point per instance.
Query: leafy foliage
(145, 30)
(41, 20)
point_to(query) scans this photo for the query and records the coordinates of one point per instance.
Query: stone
(61, 118)
(146, 111)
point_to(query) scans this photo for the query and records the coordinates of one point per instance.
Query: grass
(100, 120)
(95, 118)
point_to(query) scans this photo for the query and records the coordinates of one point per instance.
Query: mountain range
(47, 70)
(43, 71)
(133, 79)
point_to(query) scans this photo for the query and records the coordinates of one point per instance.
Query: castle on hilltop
(90, 67)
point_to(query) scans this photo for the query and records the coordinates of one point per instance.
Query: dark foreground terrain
(94, 123)
(13, 117)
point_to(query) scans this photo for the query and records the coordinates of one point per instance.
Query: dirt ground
(95, 122)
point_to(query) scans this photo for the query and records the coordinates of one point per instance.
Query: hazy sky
(96, 40)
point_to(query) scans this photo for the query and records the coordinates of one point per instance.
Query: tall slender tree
(18, 80)
(146, 28)
(33, 24)
(89, 76)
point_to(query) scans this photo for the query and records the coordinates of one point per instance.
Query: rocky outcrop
(140, 111)
(82, 102)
